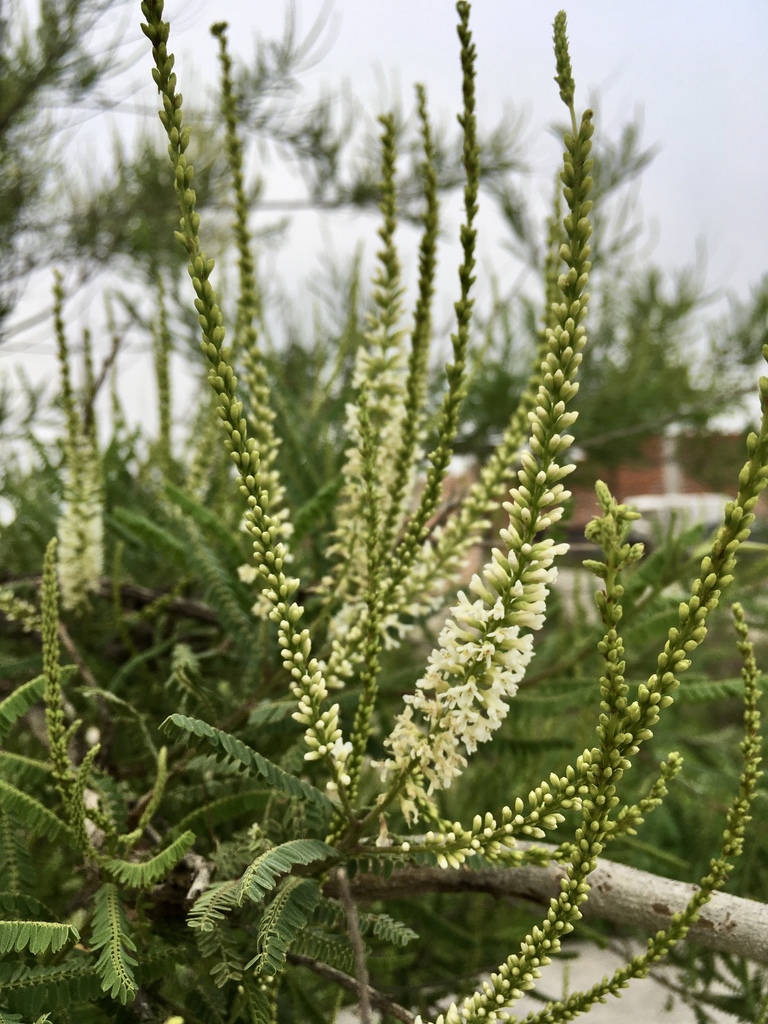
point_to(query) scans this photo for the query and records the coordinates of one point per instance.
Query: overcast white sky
(698, 71)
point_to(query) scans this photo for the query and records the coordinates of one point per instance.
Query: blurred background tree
(646, 323)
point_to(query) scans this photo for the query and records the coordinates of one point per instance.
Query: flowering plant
(276, 892)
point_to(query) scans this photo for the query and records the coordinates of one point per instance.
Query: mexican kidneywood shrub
(272, 897)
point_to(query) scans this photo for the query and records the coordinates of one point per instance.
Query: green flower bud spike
(323, 735)
(564, 76)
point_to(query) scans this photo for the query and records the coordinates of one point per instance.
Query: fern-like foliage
(144, 874)
(14, 1018)
(19, 702)
(14, 906)
(36, 936)
(142, 532)
(211, 907)
(221, 588)
(193, 549)
(268, 712)
(32, 990)
(261, 1005)
(224, 949)
(16, 867)
(558, 694)
(214, 942)
(23, 769)
(110, 935)
(34, 814)
(261, 876)
(209, 523)
(387, 929)
(334, 950)
(281, 780)
(214, 770)
(10, 1018)
(231, 807)
(286, 916)
(330, 912)
(185, 677)
(697, 691)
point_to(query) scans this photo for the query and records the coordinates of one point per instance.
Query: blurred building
(683, 479)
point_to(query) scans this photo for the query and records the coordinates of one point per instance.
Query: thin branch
(201, 878)
(141, 596)
(144, 595)
(377, 999)
(353, 925)
(620, 894)
(117, 340)
(71, 649)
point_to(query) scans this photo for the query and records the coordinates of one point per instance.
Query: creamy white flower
(81, 529)
(380, 372)
(247, 573)
(16, 609)
(482, 654)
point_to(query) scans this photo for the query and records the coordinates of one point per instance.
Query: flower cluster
(330, 742)
(81, 525)
(482, 654)
(323, 735)
(81, 529)
(380, 370)
(246, 342)
(369, 508)
(16, 609)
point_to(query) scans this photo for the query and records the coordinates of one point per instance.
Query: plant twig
(623, 895)
(117, 340)
(140, 595)
(71, 649)
(144, 595)
(377, 999)
(201, 879)
(353, 924)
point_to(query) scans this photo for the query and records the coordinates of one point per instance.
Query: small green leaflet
(144, 874)
(261, 877)
(110, 935)
(285, 917)
(36, 936)
(238, 750)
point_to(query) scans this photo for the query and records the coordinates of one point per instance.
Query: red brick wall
(642, 476)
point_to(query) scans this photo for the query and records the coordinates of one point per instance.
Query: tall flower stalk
(389, 568)
(424, 588)
(410, 546)
(373, 426)
(403, 419)
(81, 523)
(246, 349)
(323, 735)
(487, 643)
